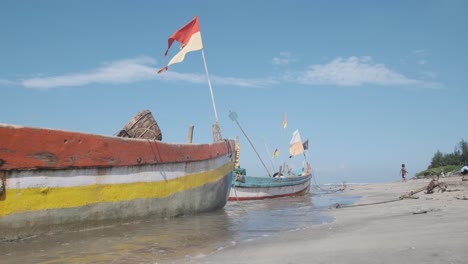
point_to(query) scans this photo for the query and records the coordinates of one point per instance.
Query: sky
(370, 84)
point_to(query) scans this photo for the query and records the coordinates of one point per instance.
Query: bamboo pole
(209, 84)
(190, 134)
(233, 117)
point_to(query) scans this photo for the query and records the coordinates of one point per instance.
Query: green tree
(463, 147)
(452, 159)
(437, 160)
(447, 162)
(458, 157)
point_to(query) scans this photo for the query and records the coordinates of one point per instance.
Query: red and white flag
(190, 38)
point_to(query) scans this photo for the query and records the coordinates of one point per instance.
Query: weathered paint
(207, 197)
(242, 193)
(57, 178)
(35, 148)
(51, 197)
(113, 175)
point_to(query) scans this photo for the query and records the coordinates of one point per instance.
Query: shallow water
(172, 239)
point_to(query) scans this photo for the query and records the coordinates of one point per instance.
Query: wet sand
(430, 229)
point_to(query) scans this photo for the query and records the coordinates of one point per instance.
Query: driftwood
(434, 183)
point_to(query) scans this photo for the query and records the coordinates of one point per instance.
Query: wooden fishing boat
(285, 182)
(52, 180)
(246, 187)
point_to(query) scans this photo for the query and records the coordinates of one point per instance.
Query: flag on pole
(190, 38)
(285, 121)
(276, 153)
(295, 146)
(305, 145)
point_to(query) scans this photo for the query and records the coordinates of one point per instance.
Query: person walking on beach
(403, 173)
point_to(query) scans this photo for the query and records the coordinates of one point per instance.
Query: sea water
(175, 239)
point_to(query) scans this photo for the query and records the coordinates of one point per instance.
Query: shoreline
(430, 229)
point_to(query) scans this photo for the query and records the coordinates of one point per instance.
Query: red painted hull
(33, 148)
(51, 180)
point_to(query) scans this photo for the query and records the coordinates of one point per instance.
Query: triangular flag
(190, 38)
(295, 146)
(285, 121)
(276, 153)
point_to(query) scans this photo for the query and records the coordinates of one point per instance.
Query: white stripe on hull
(266, 192)
(114, 175)
(204, 198)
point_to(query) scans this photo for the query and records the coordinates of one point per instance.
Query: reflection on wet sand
(171, 239)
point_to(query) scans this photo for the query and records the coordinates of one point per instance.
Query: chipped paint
(54, 177)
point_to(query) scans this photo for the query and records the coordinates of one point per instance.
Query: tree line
(458, 157)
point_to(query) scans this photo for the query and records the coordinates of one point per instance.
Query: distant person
(403, 173)
(464, 170)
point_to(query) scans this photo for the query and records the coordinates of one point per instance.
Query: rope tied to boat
(228, 147)
(338, 205)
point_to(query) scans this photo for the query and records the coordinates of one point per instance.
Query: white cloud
(201, 78)
(123, 71)
(186, 77)
(129, 71)
(352, 71)
(241, 82)
(417, 56)
(283, 59)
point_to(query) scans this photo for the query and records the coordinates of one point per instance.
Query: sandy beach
(379, 228)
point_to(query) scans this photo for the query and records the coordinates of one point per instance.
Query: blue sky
(370, 84)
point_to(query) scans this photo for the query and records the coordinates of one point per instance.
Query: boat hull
(53, 180)
(258, 188)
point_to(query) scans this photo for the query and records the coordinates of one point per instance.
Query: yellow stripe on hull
(35, 199)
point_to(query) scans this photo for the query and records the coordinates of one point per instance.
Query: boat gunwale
(280, 182)
(28, 148)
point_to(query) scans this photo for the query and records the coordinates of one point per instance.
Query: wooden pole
(209, 84)
(233, 117)
(216, 129)
(190, 134)
(269, 154)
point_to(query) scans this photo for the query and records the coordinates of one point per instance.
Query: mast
(190, 38)
(269, 154)
(216, 129)
(233, 117)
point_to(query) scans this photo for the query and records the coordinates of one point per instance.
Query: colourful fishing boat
(52, 180)
(285, 182)
(245, 187)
